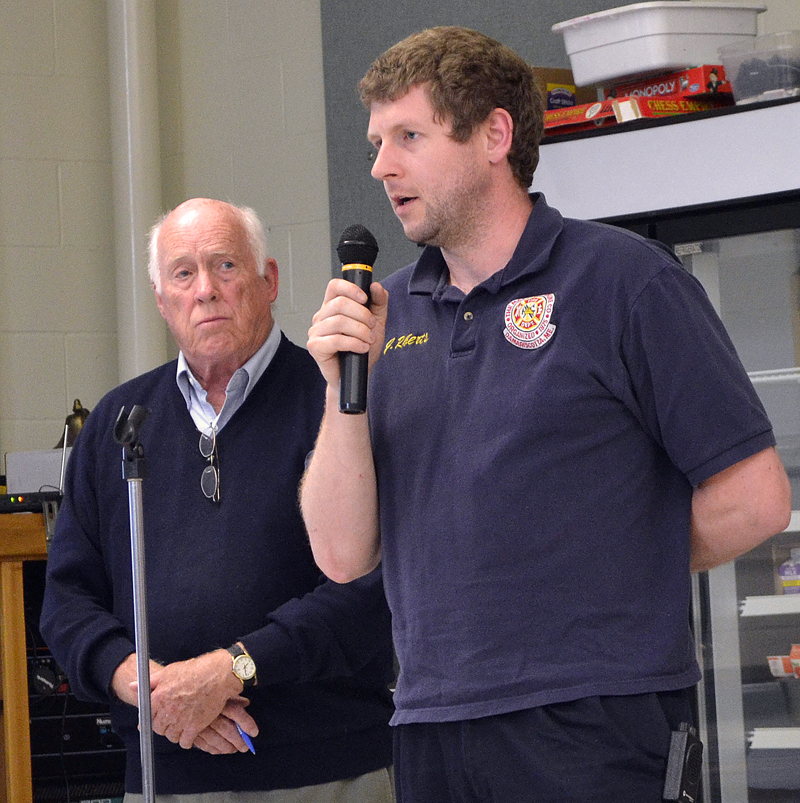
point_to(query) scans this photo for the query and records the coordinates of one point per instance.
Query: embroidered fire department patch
(528, 321)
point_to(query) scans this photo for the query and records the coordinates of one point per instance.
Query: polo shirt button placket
(464, 334)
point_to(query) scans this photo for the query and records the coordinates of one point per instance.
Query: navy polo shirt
(536, 443)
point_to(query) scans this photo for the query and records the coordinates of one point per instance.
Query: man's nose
(384, 165)
(206, 285)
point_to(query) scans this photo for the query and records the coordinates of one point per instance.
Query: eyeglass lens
(209, 479)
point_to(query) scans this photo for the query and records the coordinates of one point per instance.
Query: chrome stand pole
(134, 469)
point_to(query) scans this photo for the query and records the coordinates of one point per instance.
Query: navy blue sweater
(217, 573)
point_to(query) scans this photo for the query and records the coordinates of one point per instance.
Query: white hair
(254, 232)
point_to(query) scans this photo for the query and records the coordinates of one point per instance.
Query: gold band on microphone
(356, 266)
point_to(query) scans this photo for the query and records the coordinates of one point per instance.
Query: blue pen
(246, 738)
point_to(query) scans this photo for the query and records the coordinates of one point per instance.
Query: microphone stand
(134, 469)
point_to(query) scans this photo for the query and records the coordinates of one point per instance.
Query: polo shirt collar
(429, 275)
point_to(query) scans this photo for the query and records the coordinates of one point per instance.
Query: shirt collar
(429, 275)
(238, 389)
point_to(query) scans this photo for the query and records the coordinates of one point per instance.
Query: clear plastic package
(764, 68)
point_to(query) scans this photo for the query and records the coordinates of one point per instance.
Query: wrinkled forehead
(204, 228)
(199, 213)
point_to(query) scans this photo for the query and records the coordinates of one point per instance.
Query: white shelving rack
(744, 153)
(679, 162)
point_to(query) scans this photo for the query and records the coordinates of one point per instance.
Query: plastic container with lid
(652, 37)
(763, 68)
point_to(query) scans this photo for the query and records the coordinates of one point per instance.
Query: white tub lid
(654, 4)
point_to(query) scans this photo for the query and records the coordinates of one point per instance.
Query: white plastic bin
(653, 37)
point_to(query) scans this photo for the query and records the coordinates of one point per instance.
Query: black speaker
(76, 756)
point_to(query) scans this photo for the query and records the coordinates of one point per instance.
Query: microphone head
(357, 246)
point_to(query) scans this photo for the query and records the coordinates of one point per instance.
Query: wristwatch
(244, 667)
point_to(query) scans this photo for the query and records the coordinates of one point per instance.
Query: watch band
(242, 665)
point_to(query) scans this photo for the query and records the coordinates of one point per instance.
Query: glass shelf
(774, 738)
(775, 375)
(770, 605)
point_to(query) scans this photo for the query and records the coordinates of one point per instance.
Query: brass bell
(73, 423)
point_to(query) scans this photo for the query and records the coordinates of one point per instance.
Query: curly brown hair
(467, 75)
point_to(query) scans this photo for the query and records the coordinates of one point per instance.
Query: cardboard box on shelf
(635, 108)
(780, 666)
(559, 90)
(707, 79)
(579, 118)
(794, 659)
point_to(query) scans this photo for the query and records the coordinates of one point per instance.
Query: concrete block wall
(241, 118)
(57, 308)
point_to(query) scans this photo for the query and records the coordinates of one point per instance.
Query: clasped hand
(194, 703)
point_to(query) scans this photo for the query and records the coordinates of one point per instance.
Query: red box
(708, 79)
(579, 118)
(634, 108)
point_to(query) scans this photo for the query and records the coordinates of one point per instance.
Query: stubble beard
(453, 219)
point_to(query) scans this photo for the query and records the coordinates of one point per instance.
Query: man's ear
(159, 302)
(499, 129)
(271, 277)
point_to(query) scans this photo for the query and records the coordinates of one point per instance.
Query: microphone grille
(357, 246)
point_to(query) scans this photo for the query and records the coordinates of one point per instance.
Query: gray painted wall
(354, 32)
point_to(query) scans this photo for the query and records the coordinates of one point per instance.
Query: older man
(243, 628)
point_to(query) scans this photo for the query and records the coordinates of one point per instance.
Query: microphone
(357, 250)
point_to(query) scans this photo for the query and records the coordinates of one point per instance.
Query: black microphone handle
(354, 367)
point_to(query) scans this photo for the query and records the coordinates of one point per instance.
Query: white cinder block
(57, 290)
(27, 38)
(29, 202)
(87, 213)
(82, 37)
(91, 366)
(32, 367)
(305, 94)
(259, 106)
(304, 184)
(53, 117)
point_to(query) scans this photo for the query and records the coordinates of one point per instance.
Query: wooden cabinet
(22, 537)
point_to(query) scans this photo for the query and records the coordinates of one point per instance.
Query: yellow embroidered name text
(406, 340)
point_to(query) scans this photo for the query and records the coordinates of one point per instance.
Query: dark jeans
(595, 750)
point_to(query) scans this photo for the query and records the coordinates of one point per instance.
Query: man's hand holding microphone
(346, 335)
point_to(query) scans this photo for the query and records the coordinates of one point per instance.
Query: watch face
(244, 667)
